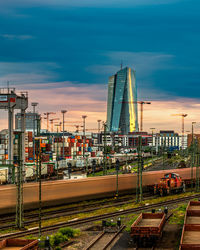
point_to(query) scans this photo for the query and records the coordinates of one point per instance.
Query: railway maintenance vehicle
(170, 183)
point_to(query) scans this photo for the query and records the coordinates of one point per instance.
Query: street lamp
(34, 104)
(57, 125)
(152, 129)
(99, 125)
(63, 112)
(84, 117)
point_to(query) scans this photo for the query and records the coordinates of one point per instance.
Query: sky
(62, 52)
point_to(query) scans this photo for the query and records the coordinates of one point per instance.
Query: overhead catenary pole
(84, 117)
(57, 125)
(19, 184)
(63, 112)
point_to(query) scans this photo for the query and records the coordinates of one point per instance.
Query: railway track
(76, 222)
(104, 240)
(31, 218)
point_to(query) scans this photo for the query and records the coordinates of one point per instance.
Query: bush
(57, 238)
(69, 232)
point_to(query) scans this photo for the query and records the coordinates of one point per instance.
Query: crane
(51, 122)
(182, 121)
(77, 128)
(141, 111)
(47, 118)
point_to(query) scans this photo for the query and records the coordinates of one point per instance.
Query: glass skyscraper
(122, 115)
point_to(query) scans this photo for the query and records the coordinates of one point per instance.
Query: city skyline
(41, 51)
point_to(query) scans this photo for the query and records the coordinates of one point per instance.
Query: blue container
(89, 149)
(30, 159)
(6, 151)
(73, 137)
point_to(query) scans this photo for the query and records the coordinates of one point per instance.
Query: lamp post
(63, 112)
(84, 117)
(152, 129)
(57, 125)
(99, 125)
(34, 104)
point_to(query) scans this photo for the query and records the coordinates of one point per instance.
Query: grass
(130, 222)
(178, 215)
(177, 218)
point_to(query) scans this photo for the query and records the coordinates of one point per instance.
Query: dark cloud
(41, 43)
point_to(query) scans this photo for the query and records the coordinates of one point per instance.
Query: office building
(122, 115)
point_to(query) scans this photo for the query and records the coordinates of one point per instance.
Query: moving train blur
(68, 191)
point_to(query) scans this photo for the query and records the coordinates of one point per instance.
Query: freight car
(190, 238)
(148, 228)
(68, 191)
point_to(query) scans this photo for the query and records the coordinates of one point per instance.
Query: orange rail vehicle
(171, 183)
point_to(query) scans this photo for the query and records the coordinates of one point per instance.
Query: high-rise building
(122, 115)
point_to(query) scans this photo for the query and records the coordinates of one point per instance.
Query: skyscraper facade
(122, 115)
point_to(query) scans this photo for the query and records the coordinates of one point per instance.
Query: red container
(50, 169)
(93, 154)
(30, 150)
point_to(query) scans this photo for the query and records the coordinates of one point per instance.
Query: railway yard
(89, 215)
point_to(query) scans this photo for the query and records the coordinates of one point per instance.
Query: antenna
(121, 64)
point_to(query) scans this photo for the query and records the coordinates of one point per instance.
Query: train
(76, 190)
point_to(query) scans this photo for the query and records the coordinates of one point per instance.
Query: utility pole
(63, 112)
(84, 117)
(20, 204)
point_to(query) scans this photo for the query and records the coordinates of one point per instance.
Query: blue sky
(58, 44)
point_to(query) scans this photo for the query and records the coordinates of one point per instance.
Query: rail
(98, 217)
(106, 243)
